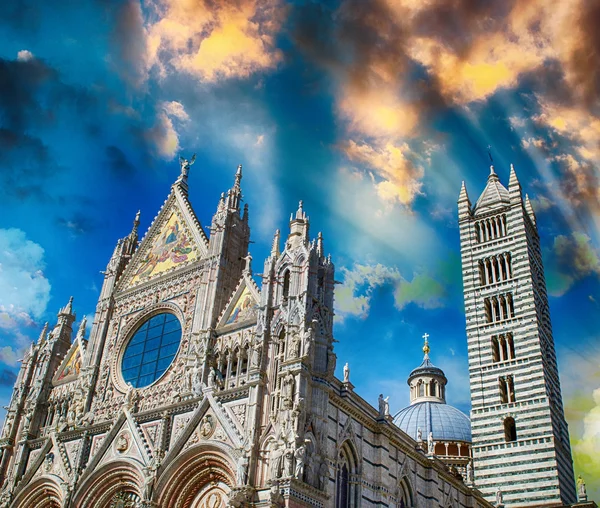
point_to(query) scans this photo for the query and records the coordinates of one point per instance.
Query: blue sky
(371, 112)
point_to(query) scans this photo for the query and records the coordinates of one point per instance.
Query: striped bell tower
(521, 450)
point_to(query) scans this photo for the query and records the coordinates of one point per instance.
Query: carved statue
(288, 391)
(196, 381)
(212, 378)
(149, 482)
(581, 490)
(122, 443)
(308, 338)
(381, 401)
(242, 469)
(256, 352)
(469, 472)
(419, 434)
(206, 426)
(430, 444)
(48, 462)
(346, 373)
(288, 461)
(276, 459)
(185, 164)
(300, 456)
(499, 498)
(131, 396)
(386, 406)
(8, 425)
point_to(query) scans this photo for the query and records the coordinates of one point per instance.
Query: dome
(426, 368)
(445, 422)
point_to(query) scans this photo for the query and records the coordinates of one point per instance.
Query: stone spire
(298, 227)
(320, 244)
(234, 195)
(44, 333)
(82, 327)
(529, 209)
(67, 310)
(275, 244)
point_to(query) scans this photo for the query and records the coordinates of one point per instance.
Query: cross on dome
(426, 348)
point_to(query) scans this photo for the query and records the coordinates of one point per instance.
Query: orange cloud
(398, 179)
(215, 40)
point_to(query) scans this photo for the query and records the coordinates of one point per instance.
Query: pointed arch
(405, 494)
(191, 476)
(346, 484)
(45, 492)
(99, 489)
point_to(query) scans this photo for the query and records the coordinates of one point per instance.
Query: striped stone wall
(536, 468)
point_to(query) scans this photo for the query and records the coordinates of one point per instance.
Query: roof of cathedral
(428, 410)
(494, 193)
(426, 367)
(445, 422)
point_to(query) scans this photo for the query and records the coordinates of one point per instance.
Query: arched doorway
(202, 477)
(114, 485)
(41, 493)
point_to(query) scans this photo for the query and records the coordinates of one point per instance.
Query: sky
(372, 113)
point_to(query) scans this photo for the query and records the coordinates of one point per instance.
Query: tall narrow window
(286, 285)
(495, 349)
(503, 390)
(510, 430)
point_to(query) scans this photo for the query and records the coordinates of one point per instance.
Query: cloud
(24, 55)
(399, 179)
(353, 297)
(23, 286)
(215, 40)
(580, 379)
(572, 258)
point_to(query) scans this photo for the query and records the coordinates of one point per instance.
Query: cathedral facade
(198, 388)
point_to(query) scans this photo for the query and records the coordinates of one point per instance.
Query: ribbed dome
(445, 422)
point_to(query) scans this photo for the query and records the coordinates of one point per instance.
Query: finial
(300, 212)
(82, 327)
(492, 172)
(44, 332)
(136, 223)
(426, 348)
(239, 171)
(320, 244)
(275, 245)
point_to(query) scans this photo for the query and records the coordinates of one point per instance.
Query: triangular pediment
(174, 240)
(242, 308)
(70, 367)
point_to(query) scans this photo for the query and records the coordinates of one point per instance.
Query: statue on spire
(185, 165)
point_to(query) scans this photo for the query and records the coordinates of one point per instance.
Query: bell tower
(520, 438)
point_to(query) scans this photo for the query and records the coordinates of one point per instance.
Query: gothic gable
(174, 240)
(70, 367)
(242, 308)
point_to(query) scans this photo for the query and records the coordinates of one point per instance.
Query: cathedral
(199, 388)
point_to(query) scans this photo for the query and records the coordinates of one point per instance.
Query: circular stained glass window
(151, 350)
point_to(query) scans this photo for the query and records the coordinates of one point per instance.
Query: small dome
(445, 422)
(427, 368)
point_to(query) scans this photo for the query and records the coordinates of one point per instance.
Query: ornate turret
(427, 382)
